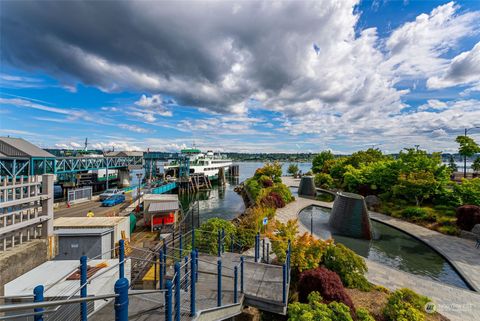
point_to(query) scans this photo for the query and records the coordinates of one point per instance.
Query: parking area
(79, 210)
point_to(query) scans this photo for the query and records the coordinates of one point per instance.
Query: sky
(243, 76)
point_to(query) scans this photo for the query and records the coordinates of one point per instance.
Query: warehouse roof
(18, 147)
(81, 222)
(160, 197)
(163, 207)
(83, 231)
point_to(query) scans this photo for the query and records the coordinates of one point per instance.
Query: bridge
(21, 158)
(188, 284)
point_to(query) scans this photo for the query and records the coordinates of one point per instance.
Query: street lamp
(465, 156)
(139, 176)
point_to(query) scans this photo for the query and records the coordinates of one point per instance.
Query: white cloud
(134, 128)
(463, 69)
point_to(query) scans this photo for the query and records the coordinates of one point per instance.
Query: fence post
(168, 301)
(196, 265)
(219, 282)
(164, 246)
(257, 239)
(181, 247)
(241, 273)
(155, 270)
(284, 284)
(164, 276)
(263, 249)
(121, 258)
(193, 236)
(268, 253)
(38, 297)
(121, 300)
(177, 291)
(223, 240)
(186, 273)
(219, 244)
(83, 289)
(235, 285)
(161, 270)
(192, 283)
(231, 244)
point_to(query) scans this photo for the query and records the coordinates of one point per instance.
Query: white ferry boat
(199, 163)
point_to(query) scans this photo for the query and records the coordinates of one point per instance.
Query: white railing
(26, 209)
(79, 195)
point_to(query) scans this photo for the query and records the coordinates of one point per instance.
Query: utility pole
(465, 160)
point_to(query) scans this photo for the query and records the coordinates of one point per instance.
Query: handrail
(26, 306)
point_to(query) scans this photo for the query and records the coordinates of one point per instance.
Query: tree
(416, 185)
(365, 157)
(452, 165)
(293, 169)
(468, 147)
(476, 164)
(320, 159)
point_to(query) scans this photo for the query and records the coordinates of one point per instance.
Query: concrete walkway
(455, 303)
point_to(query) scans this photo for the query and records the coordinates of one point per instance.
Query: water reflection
(389, 246)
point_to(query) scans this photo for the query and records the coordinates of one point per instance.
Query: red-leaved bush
(327, 283)
(468, 216)
(274, 200)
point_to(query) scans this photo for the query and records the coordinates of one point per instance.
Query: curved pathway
(455, 303)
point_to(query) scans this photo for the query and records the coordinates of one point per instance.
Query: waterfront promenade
(455, 303)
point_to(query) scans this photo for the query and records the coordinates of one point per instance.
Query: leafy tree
(363, 157)
(476, 164)
(293, 169)
(320, 159)
(451, 164)
(468, 147)
(416, 185)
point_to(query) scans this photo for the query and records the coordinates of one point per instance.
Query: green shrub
(284, 192)
(206, 237)
(468, 191)
(340, 311)
(449, 230)
(405, 305)
(253, 187)
(315, 310)
(349, 266)
(324, 180)
(364, 315)
(245, 238)
(414, 213)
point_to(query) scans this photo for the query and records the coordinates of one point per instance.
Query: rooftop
(18, 147)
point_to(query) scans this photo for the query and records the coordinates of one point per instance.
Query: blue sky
(241, 76)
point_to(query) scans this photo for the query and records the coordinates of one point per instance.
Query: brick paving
(455, 303)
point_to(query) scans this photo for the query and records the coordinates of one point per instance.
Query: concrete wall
(21, 259)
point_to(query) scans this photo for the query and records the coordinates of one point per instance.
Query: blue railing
(185, 277)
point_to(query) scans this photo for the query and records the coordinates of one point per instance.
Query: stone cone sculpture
(307, 187)
(350, 217)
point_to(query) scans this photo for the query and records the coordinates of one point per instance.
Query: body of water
(223, 201)
(390, 246)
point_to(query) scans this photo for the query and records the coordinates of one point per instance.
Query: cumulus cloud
(463, 69)
(125, 146)
(231, 57)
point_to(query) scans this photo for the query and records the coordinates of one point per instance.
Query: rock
(476, 230)
(373, 202)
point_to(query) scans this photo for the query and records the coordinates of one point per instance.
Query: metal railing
(179, 289)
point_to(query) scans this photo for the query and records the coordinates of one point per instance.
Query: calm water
(389, 246)
(223, 201)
